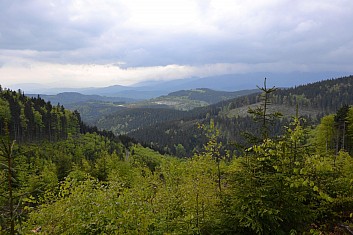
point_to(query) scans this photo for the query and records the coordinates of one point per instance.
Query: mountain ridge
(315, 99)
(154, 88)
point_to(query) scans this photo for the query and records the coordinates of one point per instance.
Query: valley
(168, 159)
(176, 117)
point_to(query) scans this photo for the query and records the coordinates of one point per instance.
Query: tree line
(296, 182)
(33, 119)
(323, 98)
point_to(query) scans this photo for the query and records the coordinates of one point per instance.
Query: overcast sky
(81, 43)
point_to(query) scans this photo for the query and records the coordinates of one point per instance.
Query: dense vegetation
(91, 107)
(314, 101)
(31, 119)
(210, 96)
(189, 99)
(298, 182)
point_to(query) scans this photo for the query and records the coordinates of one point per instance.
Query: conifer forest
(200, 171)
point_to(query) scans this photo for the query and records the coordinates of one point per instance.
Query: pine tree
(261, 113)
(7, 165)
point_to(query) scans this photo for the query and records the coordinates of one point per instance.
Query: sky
(85, 43)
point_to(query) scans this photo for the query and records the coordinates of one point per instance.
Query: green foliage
(264, 200)
(180, 151)
(325, 134)
(9, 194)
(33, 119)
(334, 133)
(36, 171)
(169, 128)
(280, 186)
(5, 113)
(261, 114)
(91, 184)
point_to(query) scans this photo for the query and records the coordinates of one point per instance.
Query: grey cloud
(304, 37)
(302, 32)
(47, 26)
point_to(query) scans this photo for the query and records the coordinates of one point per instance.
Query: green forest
(163, 129)
(293, 176)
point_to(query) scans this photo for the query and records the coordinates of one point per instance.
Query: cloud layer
(105, 42)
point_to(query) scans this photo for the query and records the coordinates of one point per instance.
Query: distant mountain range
(67, 98)
(93, 107)
(167, 129)
(194, 98)
(153, 89)
(172, 119)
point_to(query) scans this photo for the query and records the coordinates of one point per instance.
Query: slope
(91, 107)
(314, 100)
(190, 99)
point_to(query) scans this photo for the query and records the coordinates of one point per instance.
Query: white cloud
(97, 75)
(58, 41)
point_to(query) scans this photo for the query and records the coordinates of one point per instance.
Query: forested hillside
(40, 146)
(91, 107)
(70, 98)
(210, 96)
(31, 119)
(128, 120)
(34, 119)
(327, 96)
(313, 100)
(189, 99)
(299, 182)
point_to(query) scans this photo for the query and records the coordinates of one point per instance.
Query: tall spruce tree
(261, 113)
